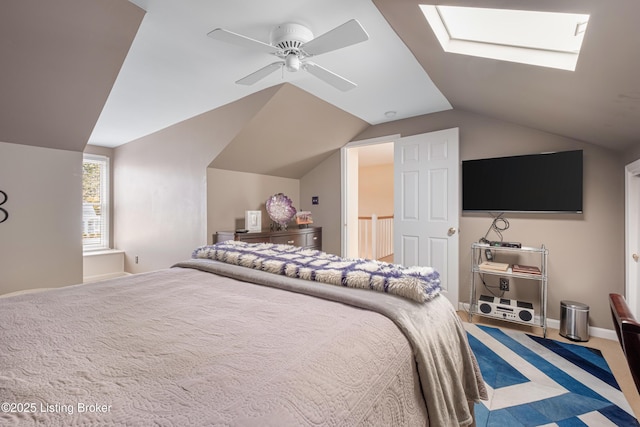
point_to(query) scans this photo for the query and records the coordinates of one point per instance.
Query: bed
(213, 341)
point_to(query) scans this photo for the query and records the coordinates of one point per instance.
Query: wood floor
(388, 258)
(610, 350)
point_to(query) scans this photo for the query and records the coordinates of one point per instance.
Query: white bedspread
(185, 347)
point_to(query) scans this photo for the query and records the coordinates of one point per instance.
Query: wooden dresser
(310, 238)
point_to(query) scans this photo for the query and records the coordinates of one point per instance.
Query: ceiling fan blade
(240, 40)
(329, 77)
(347, 34)
(260, 74)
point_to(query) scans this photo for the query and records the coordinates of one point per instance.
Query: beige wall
(230, 194)
(60, 60)
(41, 242)
(161, 199)
(632, 154)
(375, 190)
(160, 182)
(324, 181)
(586, 259)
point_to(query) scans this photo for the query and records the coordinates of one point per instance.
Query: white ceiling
(173, 71)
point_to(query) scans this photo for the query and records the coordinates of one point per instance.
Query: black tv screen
(550, 182)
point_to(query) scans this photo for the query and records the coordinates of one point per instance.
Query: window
(95, 202)
(547, 39)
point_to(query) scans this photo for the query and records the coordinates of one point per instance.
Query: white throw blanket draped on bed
(417, 283)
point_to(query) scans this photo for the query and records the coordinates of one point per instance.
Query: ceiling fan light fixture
(292, 62)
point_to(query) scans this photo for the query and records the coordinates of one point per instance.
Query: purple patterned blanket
(416, 283)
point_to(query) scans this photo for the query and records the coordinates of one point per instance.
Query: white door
(426, 205)
(632, 214)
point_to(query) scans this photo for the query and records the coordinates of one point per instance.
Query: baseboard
(608, 334)
(26, 291)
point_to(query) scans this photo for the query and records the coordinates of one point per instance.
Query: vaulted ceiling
(60, 60)
(289, 136)
(175, 71)
(77, 72)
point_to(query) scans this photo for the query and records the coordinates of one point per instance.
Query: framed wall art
(253, 220)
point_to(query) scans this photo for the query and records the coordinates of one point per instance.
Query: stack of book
(527, 269)
(493, 266)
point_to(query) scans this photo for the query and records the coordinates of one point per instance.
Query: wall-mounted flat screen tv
(550, 182)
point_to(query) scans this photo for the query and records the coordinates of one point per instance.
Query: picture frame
(253, 221)
(303, 219)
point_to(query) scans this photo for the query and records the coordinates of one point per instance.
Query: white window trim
(539, 57)
(105, 244)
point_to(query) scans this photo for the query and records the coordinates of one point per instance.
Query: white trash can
(574, 320)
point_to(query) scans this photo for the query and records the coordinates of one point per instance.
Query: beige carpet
(610, 350)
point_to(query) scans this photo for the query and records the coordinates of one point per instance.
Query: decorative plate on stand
(280, 209)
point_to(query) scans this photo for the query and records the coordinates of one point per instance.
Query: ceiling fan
(294, 44)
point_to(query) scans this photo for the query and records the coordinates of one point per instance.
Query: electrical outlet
(137, 261)
(504, 284)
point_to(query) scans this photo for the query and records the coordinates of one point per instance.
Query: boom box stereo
(504, 308)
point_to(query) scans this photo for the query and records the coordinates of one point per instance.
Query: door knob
(451, 231)
(635, 257)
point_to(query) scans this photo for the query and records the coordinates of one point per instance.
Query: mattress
(206, 343)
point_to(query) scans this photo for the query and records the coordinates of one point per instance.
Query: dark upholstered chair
(628, 330)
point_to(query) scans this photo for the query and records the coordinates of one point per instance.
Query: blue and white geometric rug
(532, 381)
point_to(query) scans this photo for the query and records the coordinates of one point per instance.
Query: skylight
(546, 39)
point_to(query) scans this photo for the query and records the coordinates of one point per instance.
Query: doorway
(374, 195)
(350, 166)
(426, 197)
